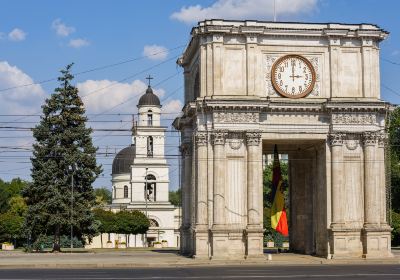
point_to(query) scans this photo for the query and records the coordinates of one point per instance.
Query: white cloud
(17, 35)
(103, 95)
(78, 43)
(61, 28)
(244, 9)
(18, 100)
(395, 52)
(155, 52)
(173, 106)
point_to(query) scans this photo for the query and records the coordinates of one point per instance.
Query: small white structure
(140, 182)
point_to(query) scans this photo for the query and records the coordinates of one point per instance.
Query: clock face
(293, 76)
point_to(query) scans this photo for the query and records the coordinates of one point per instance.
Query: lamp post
(72, 203)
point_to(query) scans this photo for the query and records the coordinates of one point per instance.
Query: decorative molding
(336, 139)
(370, 138)
(201, 138)
(359, 118)
(233, 117)
(235, 144)
(351, 144)
(219, 137)
(253, 138)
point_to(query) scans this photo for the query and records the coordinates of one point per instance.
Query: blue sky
(38, 38)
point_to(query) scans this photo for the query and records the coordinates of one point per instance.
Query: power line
(93, 69)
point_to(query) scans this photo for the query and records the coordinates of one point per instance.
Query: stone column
(375, 236)
(371, 193)
(254, 196)
(186, 207)
(219, 179)
(336, 142)
(382, 141)
(254, 190)
(201, 227)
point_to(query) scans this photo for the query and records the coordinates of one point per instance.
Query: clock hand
(292, 72)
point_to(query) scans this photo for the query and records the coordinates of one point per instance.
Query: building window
(125, 191)
(150, 146)
(153, 223)
(196, 86)
(150, 188)
(114, 192)
(149, 118)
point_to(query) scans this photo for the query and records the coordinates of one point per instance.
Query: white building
(140, 180)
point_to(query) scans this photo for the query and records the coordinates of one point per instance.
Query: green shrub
(396, 229)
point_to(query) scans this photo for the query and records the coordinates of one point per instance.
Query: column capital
(219, 137)
(336, 138)
(253, 138)
(201, 138)
(370, 138)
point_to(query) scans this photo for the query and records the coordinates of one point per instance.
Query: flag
(278, 212)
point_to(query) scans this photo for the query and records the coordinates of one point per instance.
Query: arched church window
(153, 223)
(150, 146)
(196, 86)
(150, 188)
(125, 191)
(149, 118)
(114, 192)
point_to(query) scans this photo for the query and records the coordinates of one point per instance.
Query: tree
(9, 190)
(10, 226)
(131, 222)
(107, 222)
(175, 197)
(394, 145)
(103, 196)
(63, 152)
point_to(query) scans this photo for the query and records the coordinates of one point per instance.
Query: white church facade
(140, 181)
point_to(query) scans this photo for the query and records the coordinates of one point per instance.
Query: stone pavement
(156, 258)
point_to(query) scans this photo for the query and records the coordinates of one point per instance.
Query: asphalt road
(214, 272)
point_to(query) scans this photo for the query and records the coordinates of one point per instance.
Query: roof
(149, 98)
(123, 160)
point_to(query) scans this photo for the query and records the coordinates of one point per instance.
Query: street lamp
(145, 199)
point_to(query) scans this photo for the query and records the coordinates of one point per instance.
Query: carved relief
(382, 138)
(351, 144)
(219, 137)
(353, 119)
(222, 117)
(253, 138)
(370, 138)
(201, 138)
(235, 144)
(336, 139)
(315, 61)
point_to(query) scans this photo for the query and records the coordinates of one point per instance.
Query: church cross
(149, 78)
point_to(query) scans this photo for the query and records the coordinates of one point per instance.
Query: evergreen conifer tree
(63, 152)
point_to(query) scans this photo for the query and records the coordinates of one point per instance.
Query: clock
(293, 76)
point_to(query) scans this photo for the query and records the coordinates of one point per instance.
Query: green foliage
(63, 151)
(103, 196)
(17, 205)
(175, 197)
(396, 229)
(131, 222)
(107, 222)
(394, 143)
(9, 190)
(10, 226)
(46, 242)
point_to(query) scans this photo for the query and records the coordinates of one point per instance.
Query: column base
(201, 242)
(255, 238)
(186, 248)
(227, 244)
(345, 243)
(376, 242)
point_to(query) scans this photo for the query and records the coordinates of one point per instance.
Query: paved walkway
(161, 258)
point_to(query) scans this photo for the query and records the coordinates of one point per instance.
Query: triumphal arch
(314, 90)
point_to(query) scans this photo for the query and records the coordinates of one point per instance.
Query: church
(140, 181)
